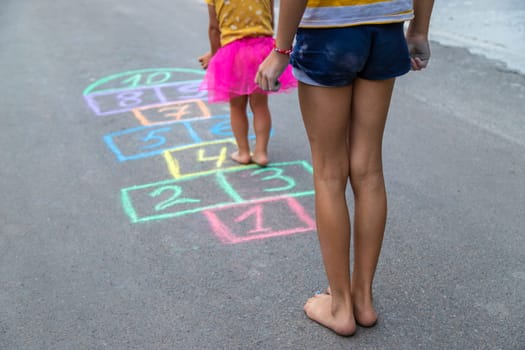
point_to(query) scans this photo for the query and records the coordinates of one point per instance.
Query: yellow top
(243, 18)
(344, 13)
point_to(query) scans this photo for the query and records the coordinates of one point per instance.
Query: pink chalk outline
(224, 233)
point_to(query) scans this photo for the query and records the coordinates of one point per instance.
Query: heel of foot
(365, 320)
(260, 160)
(235, 156)
(368, 324)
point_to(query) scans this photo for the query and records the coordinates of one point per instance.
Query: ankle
(363, 308)
(243, 152)
(361, 294)
(342, 304)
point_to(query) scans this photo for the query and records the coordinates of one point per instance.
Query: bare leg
(262, 124)
(240, 125)
(371, 100)
(326, 116)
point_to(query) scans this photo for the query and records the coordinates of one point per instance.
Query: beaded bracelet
(281, 51)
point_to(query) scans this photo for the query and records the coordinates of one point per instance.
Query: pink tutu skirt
(231, 71)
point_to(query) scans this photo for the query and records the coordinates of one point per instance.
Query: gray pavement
(122, 226)
(492, 29)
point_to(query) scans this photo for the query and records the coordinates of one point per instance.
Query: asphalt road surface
(124, 225)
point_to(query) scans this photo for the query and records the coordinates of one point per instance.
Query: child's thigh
(326, 117)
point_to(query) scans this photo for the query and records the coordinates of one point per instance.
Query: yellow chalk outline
(174, 166)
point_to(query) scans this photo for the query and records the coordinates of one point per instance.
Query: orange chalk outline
(137, 112)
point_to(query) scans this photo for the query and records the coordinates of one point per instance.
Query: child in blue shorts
(346, 56)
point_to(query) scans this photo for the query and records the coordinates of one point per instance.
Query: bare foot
(241, 159)
(364, 312)
(319, 309)
(260, 159)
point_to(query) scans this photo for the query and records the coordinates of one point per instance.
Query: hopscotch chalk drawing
(127, 91)
(174, 123)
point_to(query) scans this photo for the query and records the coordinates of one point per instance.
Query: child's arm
(417, 34)
(214, 32)
(214, 35)
(290, 14)
(273, 14)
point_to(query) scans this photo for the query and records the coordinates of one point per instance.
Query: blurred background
(495, 29)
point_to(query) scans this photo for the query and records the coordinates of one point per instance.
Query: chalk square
(200, 159)
(169, 112)
(182, 91)
(173, 198)
(244, 222)
(121, 101)
(276, 179)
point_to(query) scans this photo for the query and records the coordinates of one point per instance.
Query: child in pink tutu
(241, 36)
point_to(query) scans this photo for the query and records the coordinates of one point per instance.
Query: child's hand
(419, 51)
(270, 70)
(205, 59)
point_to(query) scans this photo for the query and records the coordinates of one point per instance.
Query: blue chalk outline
(109, 138)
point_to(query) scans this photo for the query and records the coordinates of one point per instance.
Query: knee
(238, 112)
(238, 104)
(258, 101)
(366, 178)
(333, 173)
